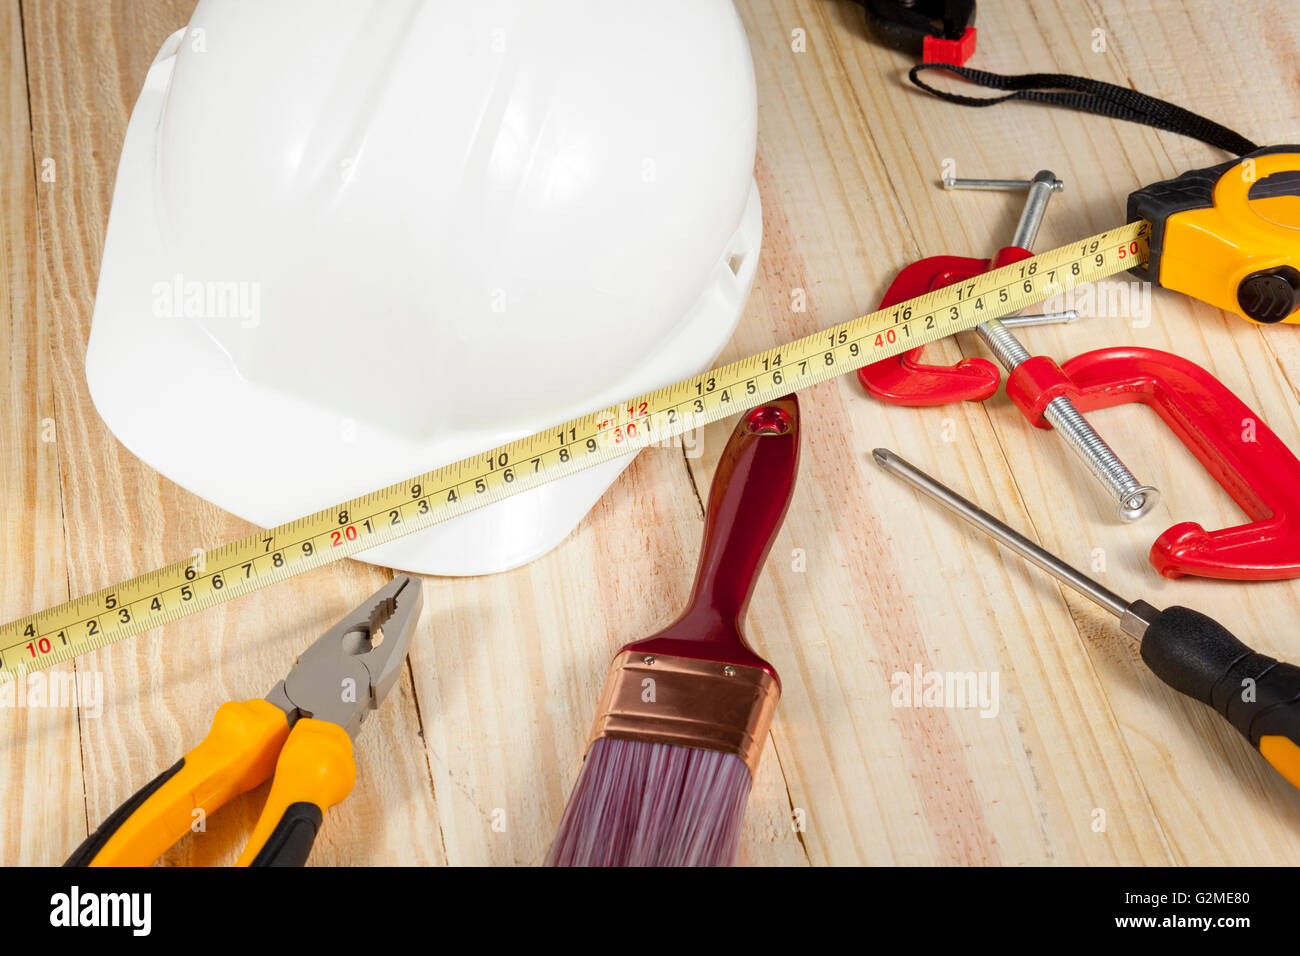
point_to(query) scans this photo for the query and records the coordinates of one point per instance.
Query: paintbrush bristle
(651, 804)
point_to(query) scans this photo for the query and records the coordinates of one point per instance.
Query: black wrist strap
(1090, 96)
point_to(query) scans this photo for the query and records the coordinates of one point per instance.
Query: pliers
(301, 733)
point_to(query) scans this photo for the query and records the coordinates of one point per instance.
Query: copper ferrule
(686, 702)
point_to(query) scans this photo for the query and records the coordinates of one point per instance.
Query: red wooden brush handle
(747, 502)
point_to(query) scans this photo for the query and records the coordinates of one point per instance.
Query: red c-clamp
(905, 380)
(1243, 454)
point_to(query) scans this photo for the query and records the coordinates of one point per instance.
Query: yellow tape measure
(108, 615)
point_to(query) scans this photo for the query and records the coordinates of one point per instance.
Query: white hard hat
(351, 242)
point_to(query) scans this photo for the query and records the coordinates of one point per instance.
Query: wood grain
(1089, 759)
(40, 773)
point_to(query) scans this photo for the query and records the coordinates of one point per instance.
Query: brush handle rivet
(729, 671)
(648, 659)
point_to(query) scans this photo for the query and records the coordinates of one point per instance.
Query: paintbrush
(683, 716)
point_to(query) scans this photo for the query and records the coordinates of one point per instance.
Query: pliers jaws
(349, 670)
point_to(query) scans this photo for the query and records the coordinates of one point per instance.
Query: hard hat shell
(351, 242)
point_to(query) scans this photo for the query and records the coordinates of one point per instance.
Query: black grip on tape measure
(905, 25)
(90, 847)
(1194, 189)
(1199, 657)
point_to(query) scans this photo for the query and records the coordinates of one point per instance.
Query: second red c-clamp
(1243, 455)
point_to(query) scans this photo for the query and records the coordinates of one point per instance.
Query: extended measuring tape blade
(108, 615)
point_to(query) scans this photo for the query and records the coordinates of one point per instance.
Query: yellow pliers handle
(249, 741)
(315, 771)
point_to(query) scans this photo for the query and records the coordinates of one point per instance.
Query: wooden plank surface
(40, 775)
(1088, 760)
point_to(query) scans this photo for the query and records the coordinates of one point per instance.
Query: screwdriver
(1192, 653)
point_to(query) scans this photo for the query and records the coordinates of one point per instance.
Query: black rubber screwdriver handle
(1260, 696)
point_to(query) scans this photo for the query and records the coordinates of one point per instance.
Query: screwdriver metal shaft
(1194, 654)
(1133, 615)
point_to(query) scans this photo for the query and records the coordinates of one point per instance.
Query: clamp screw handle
(1135, 499)
(1005, 185)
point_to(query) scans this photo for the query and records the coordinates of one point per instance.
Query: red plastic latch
(952, 52)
